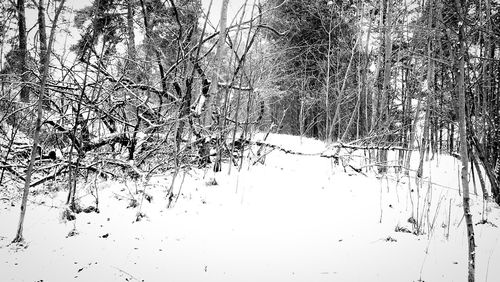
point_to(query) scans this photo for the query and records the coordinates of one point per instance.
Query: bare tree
(38, 125)
(463, 140)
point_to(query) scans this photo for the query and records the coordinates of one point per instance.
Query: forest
(157, 102)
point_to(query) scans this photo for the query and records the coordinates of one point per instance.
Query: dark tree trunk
(23, 52)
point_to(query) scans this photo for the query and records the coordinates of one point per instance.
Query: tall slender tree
(461, 7)
(38, 124)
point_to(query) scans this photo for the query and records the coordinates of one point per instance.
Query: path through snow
(298, 218)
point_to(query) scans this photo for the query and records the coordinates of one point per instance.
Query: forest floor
(296, 218)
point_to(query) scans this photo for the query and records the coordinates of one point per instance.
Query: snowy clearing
(296, 218)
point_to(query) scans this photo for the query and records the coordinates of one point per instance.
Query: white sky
(232, 10)
(67, 40)
(233, 7)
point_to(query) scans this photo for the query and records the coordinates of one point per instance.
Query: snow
(296, 218)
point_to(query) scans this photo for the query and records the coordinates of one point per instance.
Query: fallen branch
(9, 168)
(368, 147)
(50, 177)
(113, 138)
(135, 172)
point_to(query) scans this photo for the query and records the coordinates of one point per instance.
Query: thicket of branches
(147, 88)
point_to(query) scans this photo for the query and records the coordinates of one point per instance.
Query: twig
(123, 271)
(489, 259)
(449, 220)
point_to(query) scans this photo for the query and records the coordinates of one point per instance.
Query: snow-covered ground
(296, 218)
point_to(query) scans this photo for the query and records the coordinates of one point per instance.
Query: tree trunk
(475, 162)
(38, 125)
(384, 97)
(376, 95)
(43, 45)
(43, 34)
(213, 98)
(131, 37)
(145, 5)
(430, 93)
(328, 124)
(23, 51)
(207, 100)
(463, 144)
